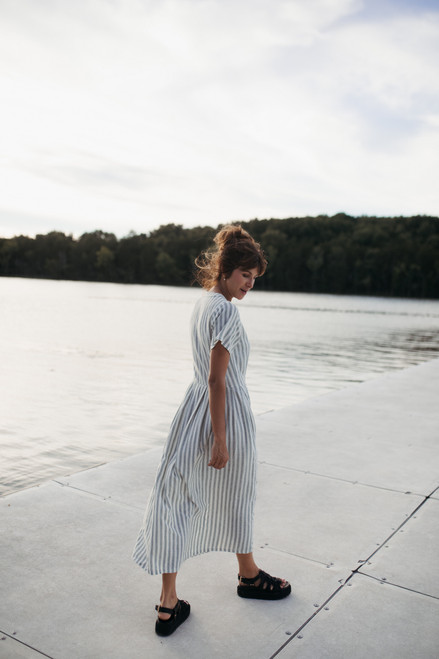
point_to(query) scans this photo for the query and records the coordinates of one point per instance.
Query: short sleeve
(226, 327)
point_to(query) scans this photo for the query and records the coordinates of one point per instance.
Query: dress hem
(198, 553)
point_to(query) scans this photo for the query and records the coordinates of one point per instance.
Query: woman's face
(240, 282)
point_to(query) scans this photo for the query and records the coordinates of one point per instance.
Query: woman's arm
(219, 361)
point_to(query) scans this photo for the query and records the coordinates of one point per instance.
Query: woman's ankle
(249, 571)
(167, 603)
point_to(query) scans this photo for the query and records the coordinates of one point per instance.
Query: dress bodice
(216, 319)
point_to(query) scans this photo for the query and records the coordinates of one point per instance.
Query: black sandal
(268, 588)
(178, 615)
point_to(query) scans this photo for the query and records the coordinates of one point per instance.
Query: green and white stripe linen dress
(194, 508)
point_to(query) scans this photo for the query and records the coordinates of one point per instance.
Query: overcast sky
(126, 114)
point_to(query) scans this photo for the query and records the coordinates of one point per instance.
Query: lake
(91, 372)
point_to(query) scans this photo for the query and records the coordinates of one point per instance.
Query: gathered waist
(233, 386)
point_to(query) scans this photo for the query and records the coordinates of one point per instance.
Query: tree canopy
(396, 256)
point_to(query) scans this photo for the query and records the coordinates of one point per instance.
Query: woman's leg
(247, 566)
(168, 597)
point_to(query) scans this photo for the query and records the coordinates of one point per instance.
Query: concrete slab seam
(291, 553)
(81, 471)
(398, 528)
(264, 413)
(316, 612)
(99, 497)
(307, 472)
(31, 647)
(386, 582)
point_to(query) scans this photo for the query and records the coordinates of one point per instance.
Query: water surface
(91, 372)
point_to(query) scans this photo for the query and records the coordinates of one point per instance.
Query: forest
(384, 256)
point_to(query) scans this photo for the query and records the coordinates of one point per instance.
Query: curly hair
(234, 248)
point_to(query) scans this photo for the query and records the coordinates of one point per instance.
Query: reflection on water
(91, 372)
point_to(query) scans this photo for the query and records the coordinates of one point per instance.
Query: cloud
(129, 115)
(89, 171)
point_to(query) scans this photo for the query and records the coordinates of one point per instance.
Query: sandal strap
(273, 583)
(251, 580)
(164, 609)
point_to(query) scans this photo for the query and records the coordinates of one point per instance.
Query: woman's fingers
(218, 461)
(218, 466)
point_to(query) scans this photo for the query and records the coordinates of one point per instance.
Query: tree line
(397, 256)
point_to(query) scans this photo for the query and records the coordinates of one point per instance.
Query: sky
(123, 115)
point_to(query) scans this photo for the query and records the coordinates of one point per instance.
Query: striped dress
(194, 508)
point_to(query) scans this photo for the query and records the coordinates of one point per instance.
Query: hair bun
(230, 235)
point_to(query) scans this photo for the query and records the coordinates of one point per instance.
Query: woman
(204, 493)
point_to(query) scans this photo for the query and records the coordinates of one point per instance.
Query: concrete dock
(347, 510)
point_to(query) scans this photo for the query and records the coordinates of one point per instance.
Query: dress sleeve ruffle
(225, 326)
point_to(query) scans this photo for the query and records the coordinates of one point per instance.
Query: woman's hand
(220, 455)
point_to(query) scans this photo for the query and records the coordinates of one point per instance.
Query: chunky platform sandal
(263, 587)
(178, 615)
